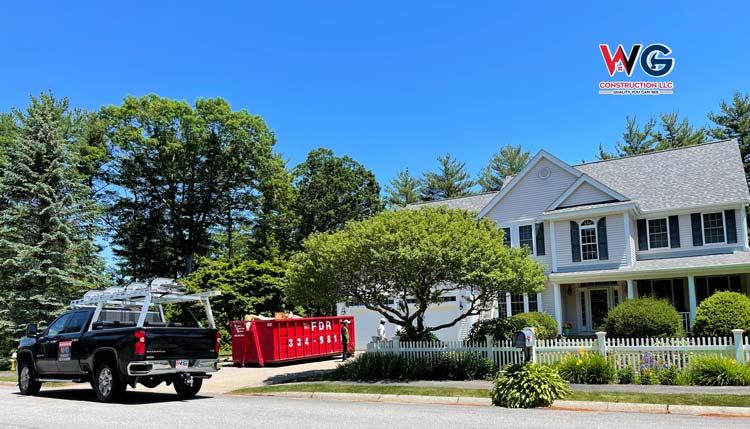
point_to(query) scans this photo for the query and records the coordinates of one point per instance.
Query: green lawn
(671, 399)
(8, 379)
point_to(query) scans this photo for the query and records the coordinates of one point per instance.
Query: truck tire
(27, 383)
(185, 391)
(107, 384)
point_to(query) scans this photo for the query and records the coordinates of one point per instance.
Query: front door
(593, 305)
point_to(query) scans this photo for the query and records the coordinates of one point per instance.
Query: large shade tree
(415, 258)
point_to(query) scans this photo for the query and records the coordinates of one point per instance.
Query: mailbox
(524, 338)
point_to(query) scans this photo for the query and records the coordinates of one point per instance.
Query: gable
(539, 186)
(586, 193)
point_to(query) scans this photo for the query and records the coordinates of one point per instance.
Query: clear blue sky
(391, 84)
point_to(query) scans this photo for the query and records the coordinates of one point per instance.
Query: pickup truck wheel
(27, 383)
(186, 391)
(107, 384)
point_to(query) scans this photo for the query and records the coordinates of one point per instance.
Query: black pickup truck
(112, 348)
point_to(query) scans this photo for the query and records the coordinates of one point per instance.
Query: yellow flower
(734, 360)
(579, 363)
(581, 352)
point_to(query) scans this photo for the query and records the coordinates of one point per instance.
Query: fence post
(738, 346)
(601, 342)
(396, 341)
(489, 344)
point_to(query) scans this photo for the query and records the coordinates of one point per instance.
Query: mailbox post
(526, 339)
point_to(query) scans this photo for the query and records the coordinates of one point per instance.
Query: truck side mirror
(31, 330)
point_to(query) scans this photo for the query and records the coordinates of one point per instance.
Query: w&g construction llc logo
(655, 62)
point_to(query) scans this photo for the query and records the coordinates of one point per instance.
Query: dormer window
(589, 248)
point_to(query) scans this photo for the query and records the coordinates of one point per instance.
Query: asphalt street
(61, 408)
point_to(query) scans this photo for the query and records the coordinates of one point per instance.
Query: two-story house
(668, 223)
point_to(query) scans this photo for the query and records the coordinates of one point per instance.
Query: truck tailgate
(180, 343)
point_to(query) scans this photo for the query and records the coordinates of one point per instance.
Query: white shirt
(381, 331)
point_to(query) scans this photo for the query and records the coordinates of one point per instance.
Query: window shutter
(540, 239)
(695, 219)
(730, 225)
(642, 235)
(575, 242)
(601, 236)
(674, 231)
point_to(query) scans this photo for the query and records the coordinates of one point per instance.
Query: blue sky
(391, 84)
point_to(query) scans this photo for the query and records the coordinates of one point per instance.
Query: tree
(48, 216)
(403, 189)
(507, 162)
(415, 257)
(451, 180)
(672, 133)
(636, 140)
(676, 133)
(734, 122)
(330, 191)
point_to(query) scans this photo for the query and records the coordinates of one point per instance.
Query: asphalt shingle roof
(473, 203)
(692, 176)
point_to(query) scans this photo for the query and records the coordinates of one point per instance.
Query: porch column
(508, 312)
(539, 307)
(525, 303)
(691, 298)
(631, 290)
(558, 307)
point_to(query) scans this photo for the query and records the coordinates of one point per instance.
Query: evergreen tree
(451, 180)
(676, 133)
(48, 218)
(672, 133)
(507, 162)
(403, 189)
(734, 122)
(636, 140)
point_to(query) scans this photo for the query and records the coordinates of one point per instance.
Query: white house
(668, 223)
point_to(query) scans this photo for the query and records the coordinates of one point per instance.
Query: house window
(516, 303)
(589, 250)
(506, 237)
(658, 233)
(526, 237)
(707, 286)
(533, 303)
(713, 228)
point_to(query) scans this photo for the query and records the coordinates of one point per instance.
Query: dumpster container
(281, 340)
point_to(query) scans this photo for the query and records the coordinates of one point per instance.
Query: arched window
(589, 250)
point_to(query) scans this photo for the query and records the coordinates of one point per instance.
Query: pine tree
(451, 180)
(507, 162)
(48, 215)
(676, 133)
(403, 189)
(734, 122)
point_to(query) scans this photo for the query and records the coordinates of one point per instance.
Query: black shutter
(601, 236)
(575, 242)
(730, 226)
(642, 234)
(674, 232)
(540, 239)
(695, 219)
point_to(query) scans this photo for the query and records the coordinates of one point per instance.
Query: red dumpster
(280, 340)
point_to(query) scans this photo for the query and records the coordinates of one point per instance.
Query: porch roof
(727, 263)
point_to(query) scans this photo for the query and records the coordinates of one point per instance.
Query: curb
(622, 407)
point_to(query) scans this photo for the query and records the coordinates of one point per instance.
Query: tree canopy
(734, 122)
(449, 181)
(668, 133)
(403, 189)
(416, 258)
(507, 162)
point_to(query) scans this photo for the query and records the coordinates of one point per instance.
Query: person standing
(344, 339)
(381, 330)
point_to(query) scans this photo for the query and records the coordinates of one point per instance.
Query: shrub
(644, 317)
(718, 371)
(546, 325)
(386, 366)
(718, 314)
(528, 386)
(627, 376)
(668, 376)
(424, 336)
(586, 368)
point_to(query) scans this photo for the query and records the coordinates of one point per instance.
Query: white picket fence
(623, 352)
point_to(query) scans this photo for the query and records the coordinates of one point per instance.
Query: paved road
(61, 408)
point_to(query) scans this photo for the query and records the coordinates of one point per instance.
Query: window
(533, 303)
(589, 251)
(713, 228)
(57, 326)
(707, 286)
(77, 322)
(526, 237)
(516, 303)
(672, 290)
(506, 237)
(658, 233)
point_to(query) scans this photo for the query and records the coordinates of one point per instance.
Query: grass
(646, 398)
(8, 379)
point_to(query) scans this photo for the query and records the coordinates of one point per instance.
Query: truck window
(58, 325)
(77, 321)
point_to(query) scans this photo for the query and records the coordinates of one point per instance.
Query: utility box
(282, 340)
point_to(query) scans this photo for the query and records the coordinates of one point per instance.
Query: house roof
(473, 203)
(693, 176)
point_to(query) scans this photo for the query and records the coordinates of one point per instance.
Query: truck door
(69, 347)
(47, 345)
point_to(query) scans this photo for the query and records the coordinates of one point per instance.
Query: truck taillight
(218, 345)
(140, 342)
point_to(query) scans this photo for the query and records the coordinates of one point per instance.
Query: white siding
(586, 194)
(615, 243)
